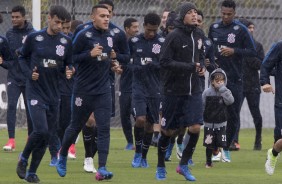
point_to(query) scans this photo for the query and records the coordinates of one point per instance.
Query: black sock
(88, 136)
(162, 147)
(156, 133)
(274, 152)
(180, 139)
(146, 144)
(138, 135)
(94, 144)
(190, 148)
(208, 156)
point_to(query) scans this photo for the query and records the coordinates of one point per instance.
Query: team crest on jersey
(231, 38)
(200, 43)
(161, 39)
(116, 30)
(33, 102)
(156, 48)
(60, 50)
(88, 34)
(208, 139)
(39, 38)
(1, 40)
(134, 39)
(24, 38)
(110, 41)
(78, 101)
(215, 26)
(163, 121)
(236, 27)
(63, 40)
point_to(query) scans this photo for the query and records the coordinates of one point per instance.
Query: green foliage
(247, 166)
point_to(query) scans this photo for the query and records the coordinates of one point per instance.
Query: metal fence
(266, 14)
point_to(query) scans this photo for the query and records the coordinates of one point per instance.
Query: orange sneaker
(72, 152)
(10, 146)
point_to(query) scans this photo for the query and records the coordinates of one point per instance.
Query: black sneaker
(32, 178)
(257, 146)
(21, 168)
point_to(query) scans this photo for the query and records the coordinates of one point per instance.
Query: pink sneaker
(72, 152)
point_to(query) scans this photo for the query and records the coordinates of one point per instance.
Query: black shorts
(214, 137)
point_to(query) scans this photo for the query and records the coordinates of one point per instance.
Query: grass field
(247, 166)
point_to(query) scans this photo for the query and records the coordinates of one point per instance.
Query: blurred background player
(251, 89)
(16, 81)
(131, 27)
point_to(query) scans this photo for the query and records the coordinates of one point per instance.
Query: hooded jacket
(215, 101)
(16, 37)
(182, 48)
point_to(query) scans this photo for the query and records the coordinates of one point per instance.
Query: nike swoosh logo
(183, 46)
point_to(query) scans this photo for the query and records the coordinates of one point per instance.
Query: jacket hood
(27, 27)
(218, 70)
(186, 28)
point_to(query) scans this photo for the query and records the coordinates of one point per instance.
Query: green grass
(247, 166)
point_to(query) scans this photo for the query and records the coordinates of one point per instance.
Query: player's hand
(202, 71)
(1, 60)
(207, 62)
(116, 67)
(226, 51)
(35, 74)
(69, 72)
(113, 54)
(96, 51)
(268, 88)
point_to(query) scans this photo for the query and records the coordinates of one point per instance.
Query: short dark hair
(19, 8)
(152, 18)
(228, 4)
(128, 22)
(200, 13)
(60, 12)
(94, 8)
(74, 24)
(107, 2)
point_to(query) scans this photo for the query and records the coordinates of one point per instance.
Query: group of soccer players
(67, 81)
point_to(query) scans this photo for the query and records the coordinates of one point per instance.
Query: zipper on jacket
(190, 92)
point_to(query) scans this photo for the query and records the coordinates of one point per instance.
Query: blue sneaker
(161, 173)
(144, 163)
(184, 170)
(190, 162)
(168, 152)
(62, 166)
(129, 146)
(136, 162)
(21, 167)
(103, 174)
(225, 154)
(53, 162)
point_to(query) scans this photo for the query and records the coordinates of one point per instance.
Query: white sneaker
(225, 155)
(89, 165)
(179, 150)
(216, 158)
(270, 163)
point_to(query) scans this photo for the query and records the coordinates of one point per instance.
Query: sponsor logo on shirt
(49, 63)
(63, 40)
(163, 121)
(146, 60)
